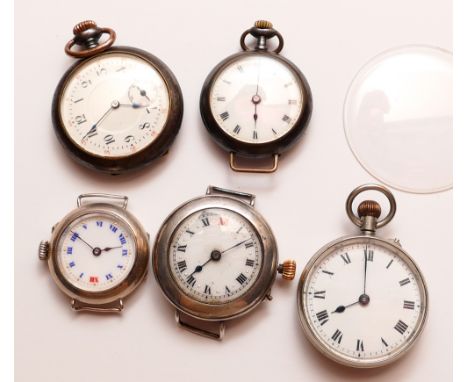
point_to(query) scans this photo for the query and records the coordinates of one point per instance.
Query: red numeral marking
(222, 221)
(93, 279)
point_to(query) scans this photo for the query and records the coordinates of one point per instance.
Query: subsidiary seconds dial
(216, 255)
(115, 105)
(118, 108)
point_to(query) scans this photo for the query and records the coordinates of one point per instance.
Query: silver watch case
(125, 287)
(324, 348)
(224, 311)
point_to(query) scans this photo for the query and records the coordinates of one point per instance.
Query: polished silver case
(327, 350)
(205, 311)
(94, 300)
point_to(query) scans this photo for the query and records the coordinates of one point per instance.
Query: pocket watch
(362, 299)
(215, 259)
(117, 109)
(256, 103)
(98, 253)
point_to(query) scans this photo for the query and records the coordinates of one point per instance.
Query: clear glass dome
(398, 118)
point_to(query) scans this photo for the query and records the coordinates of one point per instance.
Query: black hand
(199, 268)
(107, 249)
(93, 129)
(342, 308)
(365, 270)
(216, 255)
(234, 246)
(79, 237)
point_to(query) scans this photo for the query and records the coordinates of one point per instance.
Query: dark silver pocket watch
(117, 109)
(256, 103)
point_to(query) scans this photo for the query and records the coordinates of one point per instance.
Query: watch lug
(114, 306)
(268, 296)
(212, 330)
(43, 250)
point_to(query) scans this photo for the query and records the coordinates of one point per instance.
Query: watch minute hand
(234, 246)
(365, 269)
(79, 237)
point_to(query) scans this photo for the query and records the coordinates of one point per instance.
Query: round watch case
(87, 299)
(324, 348)
(142, 158)
(223, 311)
(228, 142)
(262, 31)
(368, 221)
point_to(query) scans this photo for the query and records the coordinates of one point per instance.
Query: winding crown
(84, 25)
(263, 24)
(369, 208)
(287, 269)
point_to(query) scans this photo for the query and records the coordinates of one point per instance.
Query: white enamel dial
(364, 302)
(256, 99)
(216, 255)
(114, 105)
(96, 252)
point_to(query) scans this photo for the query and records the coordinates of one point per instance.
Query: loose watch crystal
(362, 299)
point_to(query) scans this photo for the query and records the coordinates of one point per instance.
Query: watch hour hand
(342, 308)
(107, 249)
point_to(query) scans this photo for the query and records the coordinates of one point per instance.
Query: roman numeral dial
(96, 253)
(216, 255)
(350, 321)
(250, 101)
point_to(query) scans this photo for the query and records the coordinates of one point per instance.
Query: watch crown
(43, 250)
(369, 208)
(263, 24)
(83, 26)
(287, 269)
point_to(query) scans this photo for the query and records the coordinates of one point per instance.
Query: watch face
(363, 301)
(96, 252)
(256, 99)
(215, 255)
(114, 105)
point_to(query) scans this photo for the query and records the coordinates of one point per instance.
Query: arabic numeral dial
(114, 105)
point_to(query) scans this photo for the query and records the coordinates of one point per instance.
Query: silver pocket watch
(362, 300)
(215, 259)
(98, 253)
